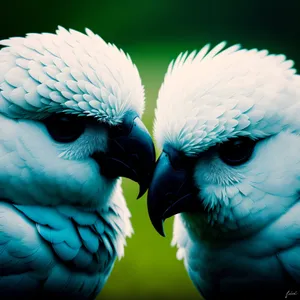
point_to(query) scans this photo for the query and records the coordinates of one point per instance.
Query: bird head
(71, 108)
(226, 122)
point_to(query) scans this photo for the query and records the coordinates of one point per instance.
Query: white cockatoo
(70, 108)
(227, 123)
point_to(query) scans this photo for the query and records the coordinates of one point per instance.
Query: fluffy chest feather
(86, 241)
(59, 250)
(265, 263)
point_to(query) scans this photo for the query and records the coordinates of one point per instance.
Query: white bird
(70, 108)
(227, 123)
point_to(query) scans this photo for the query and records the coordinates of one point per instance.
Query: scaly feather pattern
(68, 72)
(212, 96)
(43, 248)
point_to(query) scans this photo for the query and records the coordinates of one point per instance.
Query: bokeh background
(153, 33)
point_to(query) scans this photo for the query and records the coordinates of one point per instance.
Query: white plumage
(68, 72)
(244, 241)
(215, 95)
(62, 223)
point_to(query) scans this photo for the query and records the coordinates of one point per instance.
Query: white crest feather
(68, 71)
(209, 97)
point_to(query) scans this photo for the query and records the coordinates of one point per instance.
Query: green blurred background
(153, 33)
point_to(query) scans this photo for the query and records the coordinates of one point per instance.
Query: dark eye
(237, 151)
(64, 128)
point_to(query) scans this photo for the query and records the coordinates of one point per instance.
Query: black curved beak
(171, 192)
(130, 153)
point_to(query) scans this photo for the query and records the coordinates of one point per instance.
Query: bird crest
(211, 96)
(68, 72)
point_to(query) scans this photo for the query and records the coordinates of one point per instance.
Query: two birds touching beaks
(227, 125)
